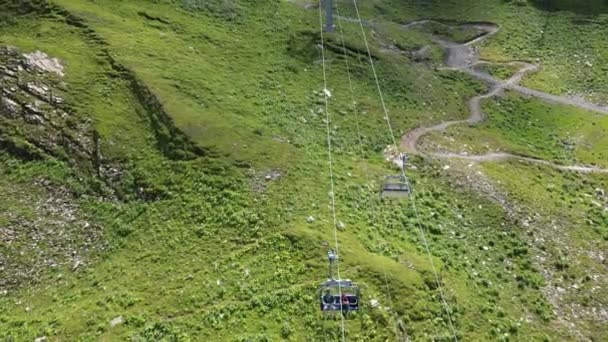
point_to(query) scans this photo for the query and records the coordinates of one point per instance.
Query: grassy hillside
(203, 154)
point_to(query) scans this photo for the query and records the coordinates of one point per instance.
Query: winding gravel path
(462, 57)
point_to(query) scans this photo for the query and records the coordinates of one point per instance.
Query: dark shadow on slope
(304, 46)
(170, 140)
(11, 8)
(583, 7)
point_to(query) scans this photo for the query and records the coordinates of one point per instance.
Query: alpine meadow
(302, 170)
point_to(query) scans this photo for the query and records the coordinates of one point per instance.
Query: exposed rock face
(35, 121)
(10, 107)
(43, 62)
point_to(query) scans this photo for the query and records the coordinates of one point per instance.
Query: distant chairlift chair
(397, 186)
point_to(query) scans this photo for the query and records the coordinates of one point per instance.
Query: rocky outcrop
(35, 122)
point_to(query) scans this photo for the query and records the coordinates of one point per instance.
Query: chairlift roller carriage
(338, 294)
(397, 186)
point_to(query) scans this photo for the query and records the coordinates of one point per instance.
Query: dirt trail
(499, 156)
(462, 57)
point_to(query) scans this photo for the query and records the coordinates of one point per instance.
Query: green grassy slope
(198, 245)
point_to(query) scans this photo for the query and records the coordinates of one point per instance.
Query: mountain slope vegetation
(164, 166)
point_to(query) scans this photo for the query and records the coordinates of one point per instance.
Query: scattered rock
(310, 219)
(40, 339)
(33, 109)
(116, 321)
(421, 55)
(374, 303)
(76, 265)
(273, 175)
(9, 73)
(12, 108)
(340, 225)
(37, 90)
(55, 225)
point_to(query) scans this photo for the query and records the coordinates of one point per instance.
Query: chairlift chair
(395, 187)
(330, 293)
(338, 294)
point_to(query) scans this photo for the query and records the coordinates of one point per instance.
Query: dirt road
(462, 57)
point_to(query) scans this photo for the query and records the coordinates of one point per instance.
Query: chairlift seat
(395, 187)
(333, 302)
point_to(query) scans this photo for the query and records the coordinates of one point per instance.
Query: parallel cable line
(374, 205)
(413, 197)
(331, 167)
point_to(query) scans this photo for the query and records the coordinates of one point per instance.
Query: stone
(33, 109)
(76, 265)
(310, 219)
(41, 61)
(36, 90)
(12, 107)
(421, 54)
(9, 73)
(116, 321)
(273, 175)
(34, 118)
